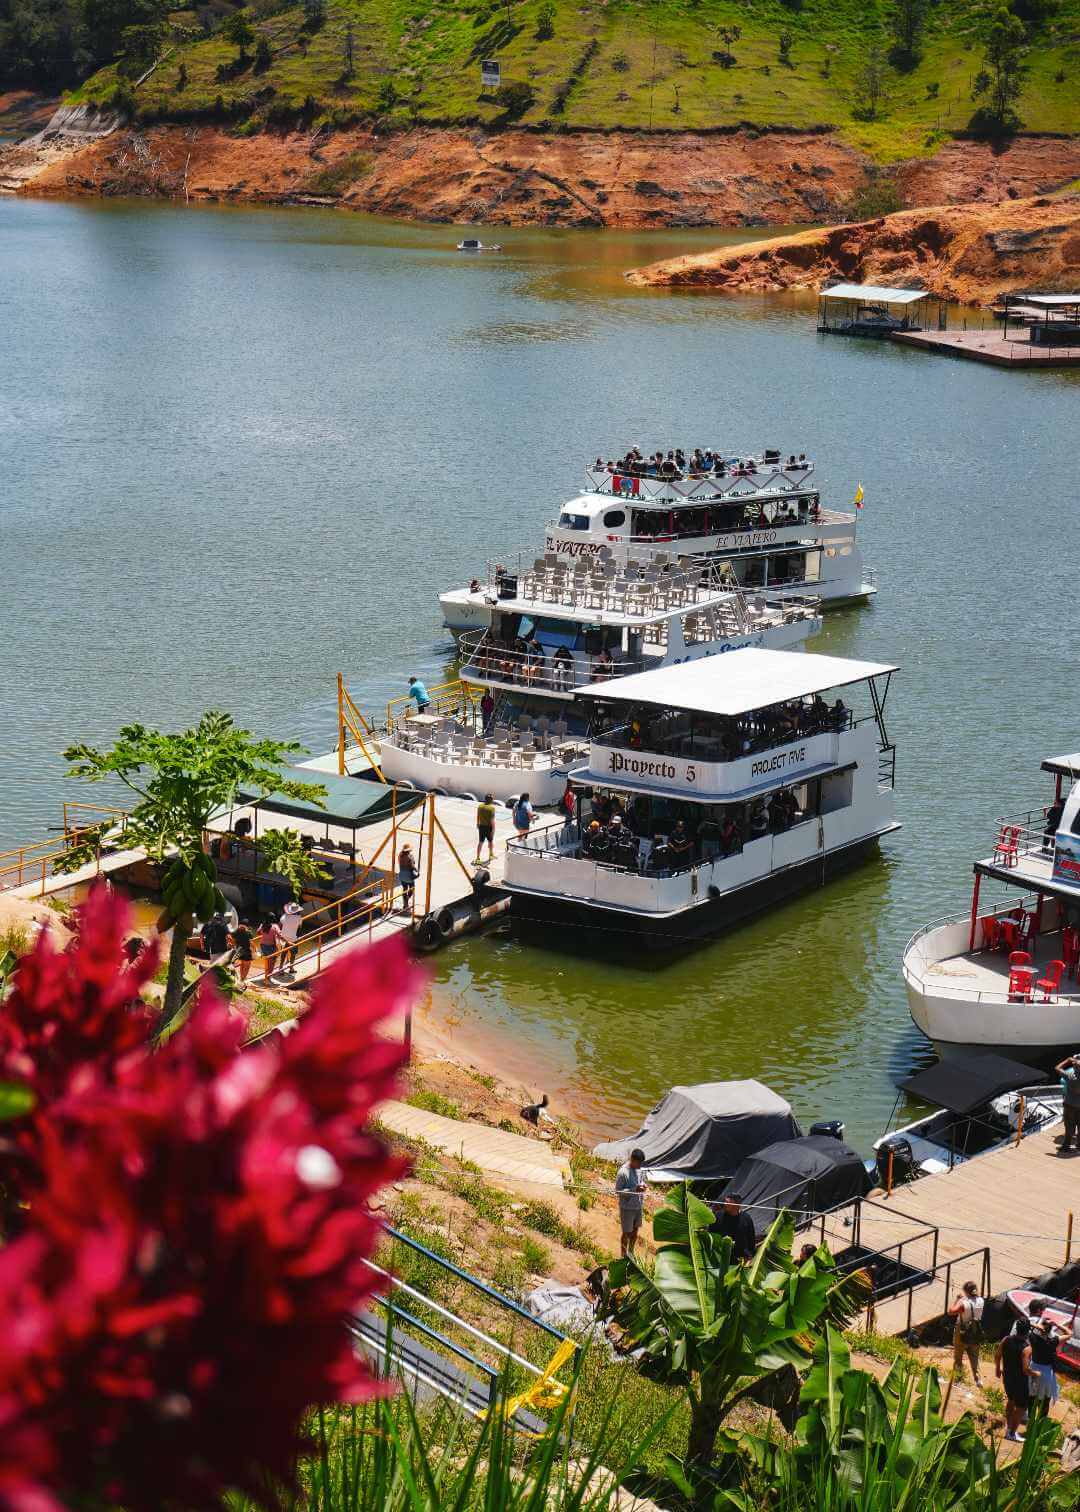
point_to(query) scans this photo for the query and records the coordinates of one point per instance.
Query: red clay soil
(523, 178)
(969, 253)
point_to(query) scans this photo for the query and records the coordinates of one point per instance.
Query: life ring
(440, 792)
(471, 797)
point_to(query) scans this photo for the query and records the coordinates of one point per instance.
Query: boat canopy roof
(1067, 766)
(874, 293)
(1051, 301)
(737, 682)
(351, 802)
(961, 1086)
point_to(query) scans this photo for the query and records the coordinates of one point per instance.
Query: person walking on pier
(1069, 1071)
(241, 943)
(406, 867)
(485, 828)
(967, 1311)
(522, 816)
(270, 940)
(630, 1190)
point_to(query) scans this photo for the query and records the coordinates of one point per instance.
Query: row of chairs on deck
(603, 584)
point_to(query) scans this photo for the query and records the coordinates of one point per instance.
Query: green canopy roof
(350, 802)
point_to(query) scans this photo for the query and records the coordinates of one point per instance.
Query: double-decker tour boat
(762, 515)
(1002, 975)
(555, 632)
(712, 791)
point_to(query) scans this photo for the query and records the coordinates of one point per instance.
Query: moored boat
(555, 633)
(761, 515)
(711, 793)
(1002, 975)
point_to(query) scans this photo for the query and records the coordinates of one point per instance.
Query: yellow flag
(858, 497)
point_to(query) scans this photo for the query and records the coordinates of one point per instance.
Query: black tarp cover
(706, 1130)
(809, 1174)
(960, 1086)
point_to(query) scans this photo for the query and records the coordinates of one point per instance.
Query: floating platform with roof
(851, 309)
(1036, 330)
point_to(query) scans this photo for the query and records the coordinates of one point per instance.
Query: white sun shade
(737, 681)
(873, 293)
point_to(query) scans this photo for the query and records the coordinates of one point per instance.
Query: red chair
(1021, 975)
(1009, 934)
(1051, 982)
(1007, 845)
(1070, 950)
(989, 932)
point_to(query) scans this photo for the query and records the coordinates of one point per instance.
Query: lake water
(241, 451)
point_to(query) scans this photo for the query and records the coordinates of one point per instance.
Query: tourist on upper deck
(1069, 1071)
(561, 666)
(420, 693)
(474, 586)
(819, 712)
(1051, 822)
(522, 815)
(839, 715)
(603, 666)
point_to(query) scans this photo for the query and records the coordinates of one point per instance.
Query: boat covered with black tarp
(703, 1132)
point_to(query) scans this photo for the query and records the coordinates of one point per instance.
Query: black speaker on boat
(508, 585)
(833, 1127)
(903, 1160)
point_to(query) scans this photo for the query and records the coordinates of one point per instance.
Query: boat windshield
(574, 521)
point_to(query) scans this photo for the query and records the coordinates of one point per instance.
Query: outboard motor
(833, 1127)
(903, 1160)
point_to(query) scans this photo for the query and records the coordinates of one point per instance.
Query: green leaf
(16, 1100)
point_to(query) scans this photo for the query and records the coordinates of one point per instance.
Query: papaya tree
(180, 781)
(722, 1330)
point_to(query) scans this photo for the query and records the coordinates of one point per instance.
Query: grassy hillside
(609, 63)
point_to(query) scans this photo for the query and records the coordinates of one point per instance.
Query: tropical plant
(861, 1444)
(179, 781)
(721, 1330)
(281, 851)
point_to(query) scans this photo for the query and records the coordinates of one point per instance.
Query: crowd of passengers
(677, 464)
(733, 736)
(522, 659)
(640, 838)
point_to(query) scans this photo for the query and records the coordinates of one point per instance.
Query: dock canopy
(807, 1175)
(961, 1086)
(874, 294)
(350, 802)
(737, 682)
(705, 1131)
(1064, 766)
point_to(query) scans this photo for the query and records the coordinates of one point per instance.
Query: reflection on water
(244, 450)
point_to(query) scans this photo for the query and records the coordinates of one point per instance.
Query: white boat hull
(544, 784)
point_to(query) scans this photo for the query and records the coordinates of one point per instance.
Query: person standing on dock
(1012, 1363)
(1069, 1071)
(630, 1190)
(485, 828)
(967, 1312)
(522, 816)
(406, 868)
(420, 693)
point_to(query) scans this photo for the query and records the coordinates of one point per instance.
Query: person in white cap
(289, 925)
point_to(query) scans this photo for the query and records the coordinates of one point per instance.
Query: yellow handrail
(446, 698)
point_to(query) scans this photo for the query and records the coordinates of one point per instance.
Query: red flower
(197, 1241)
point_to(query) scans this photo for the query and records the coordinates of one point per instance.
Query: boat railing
(452, 699)
(1023, 834)
(915, 956)
(486, 659)
(502, 748)
(764, 478)
(672, 736)
(630, 589)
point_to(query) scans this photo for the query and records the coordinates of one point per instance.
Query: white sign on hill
(490, 73)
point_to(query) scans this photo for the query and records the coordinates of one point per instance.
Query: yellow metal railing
(35, 862)
(352, 721)
(453, 697)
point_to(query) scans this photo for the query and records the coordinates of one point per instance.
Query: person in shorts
(967, 1313)
(1069, 1071)
(485, 827)
(241, 943)
(289, 924)
(1013, 1366)
(630, 1190)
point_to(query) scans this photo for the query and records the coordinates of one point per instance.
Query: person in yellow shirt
(485, 828)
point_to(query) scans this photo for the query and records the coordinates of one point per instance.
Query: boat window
(557, 632)
(573, 521)
(836, 791)
(615, 517)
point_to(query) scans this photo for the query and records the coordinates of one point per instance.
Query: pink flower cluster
(196, 1233)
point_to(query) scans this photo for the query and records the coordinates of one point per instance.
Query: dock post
(340, 725)
(1068, 1239)
(430, 852)
(1019, 1123)
(974, 912)
(888, 1176)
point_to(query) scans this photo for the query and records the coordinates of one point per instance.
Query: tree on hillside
(870, 85)
(238, 30)
(1002, 79)
(721, 1330)
(104, 22)
(906, 22)
(179, 782)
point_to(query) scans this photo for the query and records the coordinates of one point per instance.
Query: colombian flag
(859, 497)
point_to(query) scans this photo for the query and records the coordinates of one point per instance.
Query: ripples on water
(244, 450)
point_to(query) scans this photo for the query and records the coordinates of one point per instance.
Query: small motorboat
(1061, 1313)
(471, 244)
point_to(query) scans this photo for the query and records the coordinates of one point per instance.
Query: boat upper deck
(701, 476)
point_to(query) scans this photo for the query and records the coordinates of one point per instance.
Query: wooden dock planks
(493, 1150)
(989, 346)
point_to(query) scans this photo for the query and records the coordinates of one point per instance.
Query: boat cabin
(713, 789)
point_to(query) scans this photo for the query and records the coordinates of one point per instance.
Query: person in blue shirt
(419, 692)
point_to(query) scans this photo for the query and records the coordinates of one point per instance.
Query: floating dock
(1008, 1210)
(990, 346)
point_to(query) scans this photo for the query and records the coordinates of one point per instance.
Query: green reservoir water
(241, 451)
